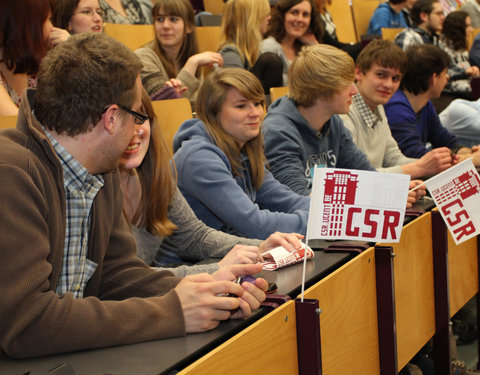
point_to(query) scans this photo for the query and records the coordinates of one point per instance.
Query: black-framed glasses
(139, 117)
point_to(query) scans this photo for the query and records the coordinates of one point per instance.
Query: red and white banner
(456, 194)
(357, 205)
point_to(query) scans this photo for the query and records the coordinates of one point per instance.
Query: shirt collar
(370, 117)
(75, 175)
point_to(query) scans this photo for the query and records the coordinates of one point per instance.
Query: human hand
(241, 254)
(208, 58)
(204, 301)
(177, 85)
(57, 36)
(290, 241)
(420, 190)
(473, 71)
(475, 158)
(254, 294)
(308, 38)
(436, 161)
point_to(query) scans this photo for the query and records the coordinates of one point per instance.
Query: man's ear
(424, 17)
(433, 78)
(110, 118)
(358, 73)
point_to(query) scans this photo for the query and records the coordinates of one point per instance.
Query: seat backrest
(133, 36)
(8, 122)
(210, 19)
(208, 38)
(171, 114)
(213, 6)
(362, 12)
(391, 32)
(341, 12)
(471, 37)
(277, 92)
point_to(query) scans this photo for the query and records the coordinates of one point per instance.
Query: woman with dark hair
(174, 51)
(457, 28)
(294, 24)
(25, 37)
(166, 230)
(221, 163)
(78, 16)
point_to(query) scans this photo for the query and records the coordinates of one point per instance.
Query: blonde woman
(221, 165)
(244, 24)
(174, 51)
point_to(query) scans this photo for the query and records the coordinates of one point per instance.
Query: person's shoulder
(230, 47)
(383, 8)
(13, 145)
(336, 123)
(269, 44)
(22, 154)
(192, 144)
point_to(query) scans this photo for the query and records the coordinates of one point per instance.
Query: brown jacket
(34, 320)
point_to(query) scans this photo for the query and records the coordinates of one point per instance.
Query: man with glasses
(69, 264)
(428, 17)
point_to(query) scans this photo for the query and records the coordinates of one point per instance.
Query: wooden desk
(162, 356)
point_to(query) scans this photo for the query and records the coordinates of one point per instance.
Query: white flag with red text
(456, 193)
(357, 205)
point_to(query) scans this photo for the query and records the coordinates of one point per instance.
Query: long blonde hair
(211, 97)
(241, 26)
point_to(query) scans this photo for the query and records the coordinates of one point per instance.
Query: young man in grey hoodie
(303, 129)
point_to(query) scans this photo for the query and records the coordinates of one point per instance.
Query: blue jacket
(293, 147)
(385, 16)
(229, 203)
(412, 131)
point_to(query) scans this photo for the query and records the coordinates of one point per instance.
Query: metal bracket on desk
(387, 334)
(441, 339)
(274, 300)
(309, 349)
(353, 247)
(414, 213)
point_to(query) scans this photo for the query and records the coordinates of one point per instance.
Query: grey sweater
(191, 242)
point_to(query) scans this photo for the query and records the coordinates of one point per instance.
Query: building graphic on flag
(340, 189)
(465, 185)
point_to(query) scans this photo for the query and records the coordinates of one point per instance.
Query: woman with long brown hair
(221, 164)
(165, 228)
(174, 51)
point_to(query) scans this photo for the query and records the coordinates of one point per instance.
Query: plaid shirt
(413, 36)
(370, 118)
(80, 190)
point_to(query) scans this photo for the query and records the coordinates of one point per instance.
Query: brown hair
(64, 10)
(277, 23)
(80, 77)
(157, 178)
(211, 97)
(454, 29)
(184, 10)
(21, 33)
(383, 52)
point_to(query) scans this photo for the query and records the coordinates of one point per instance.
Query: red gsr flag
(357, 205)
(456, 193)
